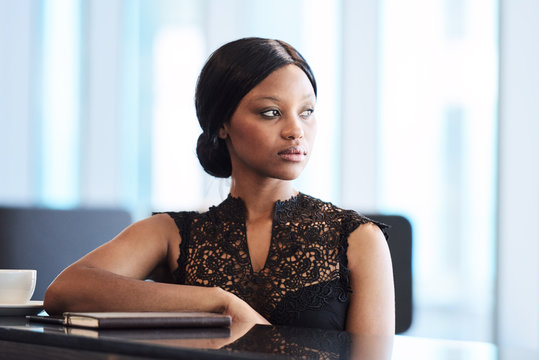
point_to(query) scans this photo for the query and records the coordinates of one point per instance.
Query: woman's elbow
(57, 295)
(53, 300)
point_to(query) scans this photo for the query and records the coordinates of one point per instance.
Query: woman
(267, 253)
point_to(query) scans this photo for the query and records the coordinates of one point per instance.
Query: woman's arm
(112, 278)
(372, 302)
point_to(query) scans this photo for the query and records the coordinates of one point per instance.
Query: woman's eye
(307, 113)
(271, 113)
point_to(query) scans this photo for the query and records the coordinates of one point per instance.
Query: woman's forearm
(82, 288)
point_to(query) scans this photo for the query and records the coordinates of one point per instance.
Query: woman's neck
(260, 196)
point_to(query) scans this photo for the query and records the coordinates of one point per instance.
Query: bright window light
(438, 155)
(177, 178)
(60, 103)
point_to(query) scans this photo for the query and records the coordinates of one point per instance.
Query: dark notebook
(145, 319)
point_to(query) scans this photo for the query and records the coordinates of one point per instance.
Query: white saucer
(32, 307)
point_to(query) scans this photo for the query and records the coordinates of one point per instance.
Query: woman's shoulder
(214, 214)
(348, 218)
(177, 216)
(329, 209)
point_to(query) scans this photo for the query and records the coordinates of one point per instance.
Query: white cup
(17, 286)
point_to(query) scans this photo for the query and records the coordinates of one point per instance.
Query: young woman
(266, 254)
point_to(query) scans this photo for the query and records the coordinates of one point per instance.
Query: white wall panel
(518, 248)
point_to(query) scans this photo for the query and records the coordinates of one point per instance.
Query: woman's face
(271, 133)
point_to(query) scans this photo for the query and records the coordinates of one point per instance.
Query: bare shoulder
(156, 227)
(161, 224)
(160, 230)
(366, 243)
(169, 233)
(372, 302)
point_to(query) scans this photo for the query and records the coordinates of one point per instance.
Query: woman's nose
(293, 129)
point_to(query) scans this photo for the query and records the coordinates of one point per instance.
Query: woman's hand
(241, 311)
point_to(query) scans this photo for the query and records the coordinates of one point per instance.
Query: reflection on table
(19, 339)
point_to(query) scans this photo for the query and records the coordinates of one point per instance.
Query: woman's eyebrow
(271, 98)
(276, 99)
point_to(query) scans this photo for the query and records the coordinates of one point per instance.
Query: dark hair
(229, 74)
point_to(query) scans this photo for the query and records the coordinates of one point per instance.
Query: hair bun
(213, 155)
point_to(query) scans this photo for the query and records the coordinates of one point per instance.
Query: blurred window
(438, 130)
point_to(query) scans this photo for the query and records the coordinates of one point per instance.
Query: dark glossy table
(22, 340)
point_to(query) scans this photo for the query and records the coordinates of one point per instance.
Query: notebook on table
(145, 319)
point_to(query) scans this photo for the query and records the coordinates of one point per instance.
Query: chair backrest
(400, 247)
(50, 240)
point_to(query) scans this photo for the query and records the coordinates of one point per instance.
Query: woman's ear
(223, 132)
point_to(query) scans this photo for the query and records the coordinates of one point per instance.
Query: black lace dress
(304, 281)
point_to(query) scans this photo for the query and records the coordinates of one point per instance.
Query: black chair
(400, 247)
(50, 240)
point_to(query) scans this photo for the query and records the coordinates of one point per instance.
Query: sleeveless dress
(305, 280)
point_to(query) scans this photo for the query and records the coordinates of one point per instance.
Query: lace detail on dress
(306, 267)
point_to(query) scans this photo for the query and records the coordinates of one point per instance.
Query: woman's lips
(295, 154)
